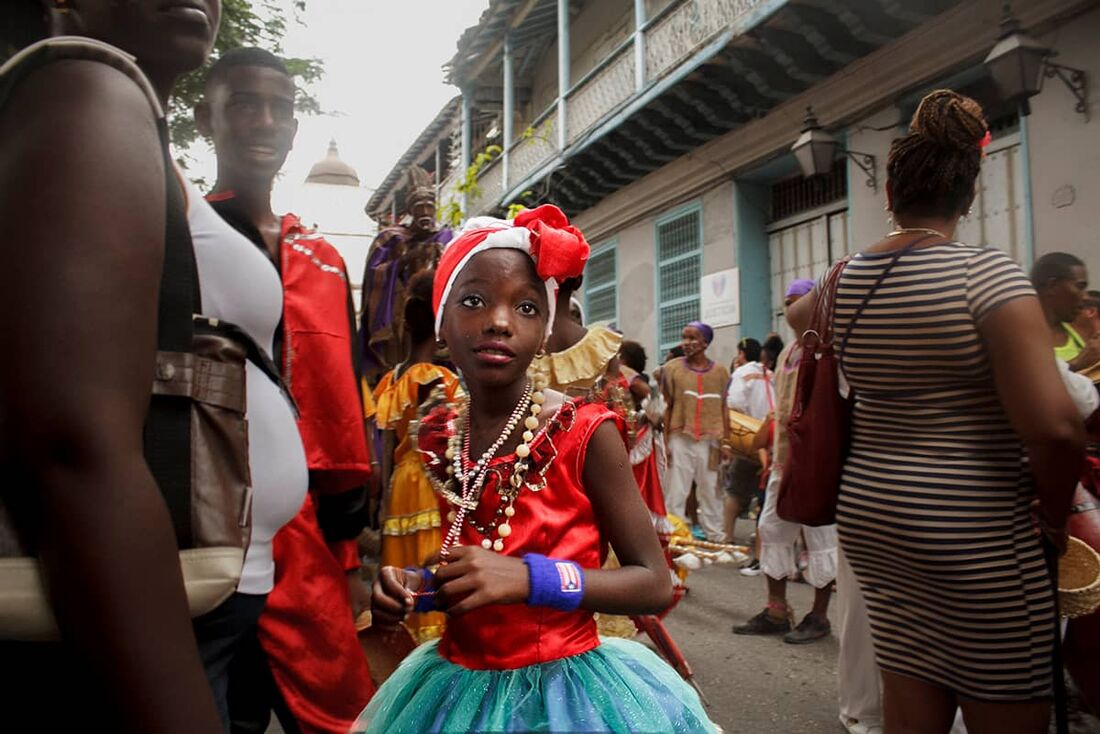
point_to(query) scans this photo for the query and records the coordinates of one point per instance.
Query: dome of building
(332, 170)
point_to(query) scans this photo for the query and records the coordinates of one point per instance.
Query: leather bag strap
(168, 422)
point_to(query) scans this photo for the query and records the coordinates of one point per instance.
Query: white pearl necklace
(472, 481)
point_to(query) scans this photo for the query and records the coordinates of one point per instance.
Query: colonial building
(665, 129)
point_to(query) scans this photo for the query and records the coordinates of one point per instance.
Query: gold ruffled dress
(411, 522)
(576, 370)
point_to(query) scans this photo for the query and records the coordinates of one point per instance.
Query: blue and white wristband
(555, 583)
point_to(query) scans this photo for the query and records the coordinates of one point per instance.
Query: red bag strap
(820, 332)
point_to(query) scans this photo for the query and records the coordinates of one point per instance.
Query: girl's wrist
(554, 582)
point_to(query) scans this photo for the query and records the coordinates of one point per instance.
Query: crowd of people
(186, 517)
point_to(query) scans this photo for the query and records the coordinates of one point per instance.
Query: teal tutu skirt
(620, 686)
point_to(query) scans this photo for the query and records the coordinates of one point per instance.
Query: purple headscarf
(799, 287)
(704, 330)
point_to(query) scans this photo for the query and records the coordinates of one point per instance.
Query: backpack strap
(168, 422)
(75, 48)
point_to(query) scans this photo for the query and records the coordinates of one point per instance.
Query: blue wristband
(554, 583)
(425, 596)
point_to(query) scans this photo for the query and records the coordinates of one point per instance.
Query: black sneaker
(811, 628)
(763, 624)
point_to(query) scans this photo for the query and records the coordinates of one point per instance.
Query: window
(679, 266)
(601, 291)
(799, 194)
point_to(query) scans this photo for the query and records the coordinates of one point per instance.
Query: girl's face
(495, 317)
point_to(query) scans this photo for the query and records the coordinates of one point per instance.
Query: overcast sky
(383, 79)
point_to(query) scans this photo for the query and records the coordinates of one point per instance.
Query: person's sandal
(763, 624)
(810, 629)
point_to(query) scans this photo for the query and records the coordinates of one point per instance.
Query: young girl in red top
(533, 486)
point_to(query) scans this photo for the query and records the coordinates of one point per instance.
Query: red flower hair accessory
(557, 247)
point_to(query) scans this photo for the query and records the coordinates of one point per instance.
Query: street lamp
(816, 149)
(1018, 64)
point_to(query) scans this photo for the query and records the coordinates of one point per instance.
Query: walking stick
(655, 628)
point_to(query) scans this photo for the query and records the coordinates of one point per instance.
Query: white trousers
(777, 538)
(690, 461)
(858, 687)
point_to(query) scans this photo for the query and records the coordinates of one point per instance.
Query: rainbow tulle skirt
(621, 686)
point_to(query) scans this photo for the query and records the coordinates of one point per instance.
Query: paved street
(754, 684)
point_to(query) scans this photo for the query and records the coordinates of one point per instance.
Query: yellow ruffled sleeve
(580, 366)
(369, 408)
(394, 397)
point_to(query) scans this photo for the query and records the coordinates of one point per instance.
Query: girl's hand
(475, 577)
(391, 597)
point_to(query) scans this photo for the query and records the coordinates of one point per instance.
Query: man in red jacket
(306, 663)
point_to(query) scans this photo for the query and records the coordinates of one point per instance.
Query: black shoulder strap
(882, 276)
(168, 422)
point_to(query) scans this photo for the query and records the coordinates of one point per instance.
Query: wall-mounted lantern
(1018, 64)
(815, 150)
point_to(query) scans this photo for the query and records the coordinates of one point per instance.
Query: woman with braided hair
(946, 349)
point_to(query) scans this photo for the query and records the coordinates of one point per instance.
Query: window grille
(801, 194)
(679, 266)
(601, 292)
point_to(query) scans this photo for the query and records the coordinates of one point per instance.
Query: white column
(509, 109)
(639, 45)
(467, 135)
(563, 70)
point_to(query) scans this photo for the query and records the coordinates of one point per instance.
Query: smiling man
(305, 662)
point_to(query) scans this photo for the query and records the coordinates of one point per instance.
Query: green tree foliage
(260, 23)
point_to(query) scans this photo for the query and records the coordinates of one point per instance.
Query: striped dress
(933, 511)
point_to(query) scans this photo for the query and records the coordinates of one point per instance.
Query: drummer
(750, 393)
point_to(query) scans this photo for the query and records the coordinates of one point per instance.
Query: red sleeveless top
(557, 520)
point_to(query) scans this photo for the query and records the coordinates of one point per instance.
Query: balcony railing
(601, 91)
(490, 184)
(534, 149)
(448, 190)
(671, 37)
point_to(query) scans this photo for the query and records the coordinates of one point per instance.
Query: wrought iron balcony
(688, 74)
(668, 39)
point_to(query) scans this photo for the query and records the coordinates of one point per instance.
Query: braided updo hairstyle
(932, 170)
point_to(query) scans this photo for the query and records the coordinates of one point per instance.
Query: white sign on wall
(720, 298)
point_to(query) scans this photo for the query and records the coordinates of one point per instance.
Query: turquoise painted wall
(750, 207)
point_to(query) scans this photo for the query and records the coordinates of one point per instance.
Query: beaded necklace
(469, 476)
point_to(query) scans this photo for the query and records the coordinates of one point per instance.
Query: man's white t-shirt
(751, 391)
